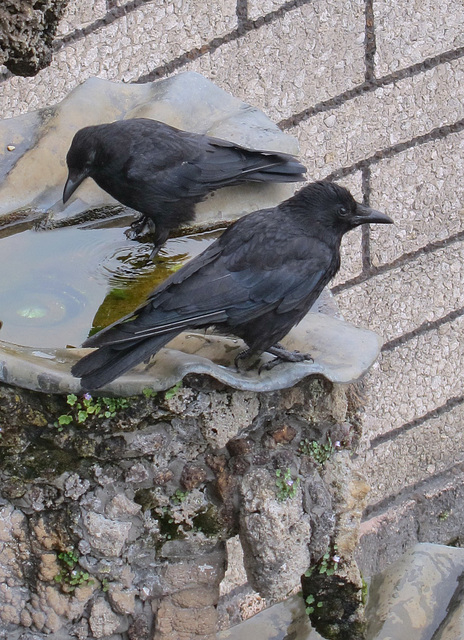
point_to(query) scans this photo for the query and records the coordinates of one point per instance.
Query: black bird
(163, 172)
(256, 281)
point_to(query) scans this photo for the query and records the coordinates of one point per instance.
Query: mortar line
(448, 406)
(381, 506)
(121, 11)
(366, 228)
(389, 152)
(370, 86)
(114, 14)
(242, 13)
(176, 63)
(243, 27)
(425, 327)
(369, 42)
(402, 260)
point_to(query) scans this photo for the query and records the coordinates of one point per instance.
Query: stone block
(406, 33)
(176, 622)
(107, 536)
(103, 622)
(373, 121)
(422, 190)
(328, 36)
(410, 597)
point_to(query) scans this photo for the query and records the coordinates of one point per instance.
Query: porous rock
(26, 34)
(147, 525)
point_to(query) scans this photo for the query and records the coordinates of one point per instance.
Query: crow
(162, 172)
(256, 281)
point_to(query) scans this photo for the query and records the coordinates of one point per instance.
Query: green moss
(146, 499)
(39, 463)
(207, 521)
(169, 529)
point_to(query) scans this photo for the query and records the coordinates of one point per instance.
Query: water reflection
(286, 620)
(56, 285)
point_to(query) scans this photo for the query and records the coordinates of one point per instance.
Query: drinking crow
(163, 172)
(256, 281)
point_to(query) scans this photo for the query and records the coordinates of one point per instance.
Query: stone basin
(32, 174)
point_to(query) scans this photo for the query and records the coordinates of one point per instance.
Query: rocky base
(27, 29)
(114, 520)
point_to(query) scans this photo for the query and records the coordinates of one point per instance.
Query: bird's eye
(343, 211)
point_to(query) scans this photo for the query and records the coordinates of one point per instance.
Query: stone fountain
(117, 513)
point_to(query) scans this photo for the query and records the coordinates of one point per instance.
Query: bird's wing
(190, 165)
(254, 267)
(166, 163)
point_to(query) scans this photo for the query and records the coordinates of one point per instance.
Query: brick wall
(374, 92)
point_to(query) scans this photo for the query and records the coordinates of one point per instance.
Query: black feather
(256, 281)
(163, 172)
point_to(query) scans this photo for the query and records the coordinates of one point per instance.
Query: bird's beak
(73, 181)
(366, 215)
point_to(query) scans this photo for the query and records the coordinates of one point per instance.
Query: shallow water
(58, 285)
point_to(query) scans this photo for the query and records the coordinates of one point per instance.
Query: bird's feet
(283, 355)
(244, 355)
(140, 228)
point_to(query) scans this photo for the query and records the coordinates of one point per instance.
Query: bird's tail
(275, 168)
(271, 167)
(111, 360)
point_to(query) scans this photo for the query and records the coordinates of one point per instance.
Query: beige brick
(257, 8)
(414, 455)
(423, 191)
(79, 14)
(131, 46)
(398, 301)
(407, 32)
(264, 68)
(373, 121)
(415, 378)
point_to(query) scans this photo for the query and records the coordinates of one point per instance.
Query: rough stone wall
(116, 526)
(374, 91)
(27, 29)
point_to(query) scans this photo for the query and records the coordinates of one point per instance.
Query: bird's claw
(243, 355)
(283, 355)
(141, 227)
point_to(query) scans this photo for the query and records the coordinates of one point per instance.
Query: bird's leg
(154, 253)
(140, 227)
(243, 355)
(161, 235)
(283, 355)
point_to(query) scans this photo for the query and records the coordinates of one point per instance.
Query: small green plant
(149, 393)
(83, 408)
(170, 393)
(286, 486)
(312, 604)
(69, 576)
(316, 450)
(364, 591)
(104, 585)
(178, 497)
(169, 528)
(327, 564)
(444, 515)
